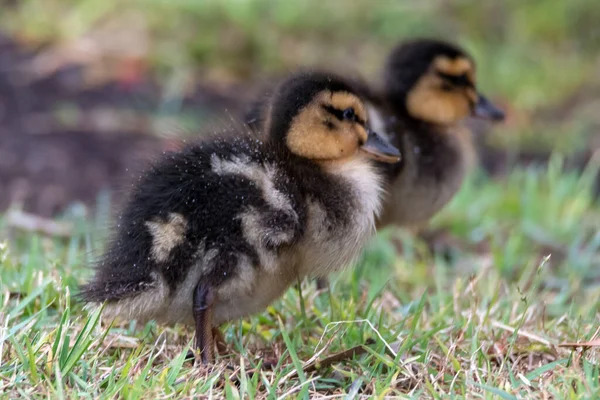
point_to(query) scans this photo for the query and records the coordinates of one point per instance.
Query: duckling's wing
(270, 230)
(227, 197)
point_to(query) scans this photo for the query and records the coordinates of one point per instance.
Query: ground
(499, 298)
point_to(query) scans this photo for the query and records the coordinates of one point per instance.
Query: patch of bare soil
(61, 141)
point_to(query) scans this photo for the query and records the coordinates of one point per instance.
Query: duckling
(429, 89)
(220, 229)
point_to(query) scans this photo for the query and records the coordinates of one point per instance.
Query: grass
(484, 321)
(517, 273)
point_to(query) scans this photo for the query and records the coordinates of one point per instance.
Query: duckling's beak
(485, 109)
(377, 148)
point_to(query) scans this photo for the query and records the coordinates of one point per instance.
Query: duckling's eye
(349, 114)
(343, 115)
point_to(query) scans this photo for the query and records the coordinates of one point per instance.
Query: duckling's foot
(203, 302)
(220, 341)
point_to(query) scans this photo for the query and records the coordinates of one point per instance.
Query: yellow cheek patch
(310, 137)
(361, 132)
(428, 102)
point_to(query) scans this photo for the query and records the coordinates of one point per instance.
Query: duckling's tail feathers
(98, 291)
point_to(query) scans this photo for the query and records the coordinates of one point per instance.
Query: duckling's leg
(203, 302)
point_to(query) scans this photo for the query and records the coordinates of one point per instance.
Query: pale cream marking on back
(319, 252)
(258, 235)
(262, 176)
(166, 235)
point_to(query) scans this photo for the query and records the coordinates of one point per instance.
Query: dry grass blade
(522, 333)
(338, 357)
(584, 345)
(313, 364)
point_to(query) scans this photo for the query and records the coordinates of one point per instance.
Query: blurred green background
(540, 59)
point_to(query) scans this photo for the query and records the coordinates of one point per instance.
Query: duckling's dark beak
(377, 148)
(485, 109)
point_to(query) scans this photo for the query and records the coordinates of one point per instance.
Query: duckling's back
(190, 215)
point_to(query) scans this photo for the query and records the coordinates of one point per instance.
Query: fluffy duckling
(221, 229)
(429, 89)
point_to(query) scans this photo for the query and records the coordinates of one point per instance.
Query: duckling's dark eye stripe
(460, 80)
(339, 114)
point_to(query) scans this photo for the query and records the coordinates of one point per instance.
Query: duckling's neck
(364, 178)
(440, 149)
(435, 160)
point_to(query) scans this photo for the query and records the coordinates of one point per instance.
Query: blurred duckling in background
(221, 229)
(429, 88)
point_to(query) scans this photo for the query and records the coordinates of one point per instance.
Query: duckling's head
(319, 116)
(435, 82)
